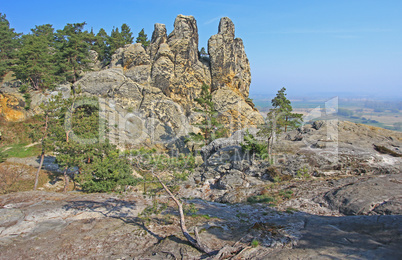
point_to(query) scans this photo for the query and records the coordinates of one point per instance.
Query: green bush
(253, 146)
(190, 209)
(28, 101)
(261, 199)
(106, 174)
(255, 243)
(287, 194)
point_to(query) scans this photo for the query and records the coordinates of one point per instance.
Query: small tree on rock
(279, 118)
(210, 128)
(126, 34)
(284, 117)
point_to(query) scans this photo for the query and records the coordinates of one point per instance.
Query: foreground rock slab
(105, 226)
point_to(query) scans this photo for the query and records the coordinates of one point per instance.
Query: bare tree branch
(195, 242)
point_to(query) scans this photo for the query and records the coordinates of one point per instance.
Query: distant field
(375, 113)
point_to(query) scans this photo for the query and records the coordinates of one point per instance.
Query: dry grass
(8, 77)
(15, 132)
(19, 177)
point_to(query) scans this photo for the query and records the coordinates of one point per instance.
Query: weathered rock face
(12, 106)
(229, 64)
(159, 83)
(189, 72)
(136, 113)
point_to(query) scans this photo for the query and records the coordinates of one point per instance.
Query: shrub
(253, 146)
(190, 209)
(260, 199)
(286, 194)
(255, 243)
(106, 174)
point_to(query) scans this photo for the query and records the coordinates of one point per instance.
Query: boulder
(136, 64)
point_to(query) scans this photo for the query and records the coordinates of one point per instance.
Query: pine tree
(284, 116)
(66, 129)
(35, 63)
(279, 118)
(73, 55)
(9, 41)
(127, 34)
(116, 41)
(101, 46)
(210, 128)
(142, 38)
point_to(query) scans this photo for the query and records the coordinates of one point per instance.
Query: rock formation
(147, 94)
(229, 64)
(12, 104)
(159, 83)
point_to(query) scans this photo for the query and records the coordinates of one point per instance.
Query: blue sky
(312, 48)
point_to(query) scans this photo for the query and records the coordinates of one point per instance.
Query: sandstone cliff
(149, 92)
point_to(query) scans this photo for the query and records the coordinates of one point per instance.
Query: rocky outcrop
(309, 152)
(136, 114)
(189, 72)
(158, 84)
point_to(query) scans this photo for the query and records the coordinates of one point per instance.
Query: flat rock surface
(380, 195)
(43, 225)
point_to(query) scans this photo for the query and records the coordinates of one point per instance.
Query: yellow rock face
(11, 107)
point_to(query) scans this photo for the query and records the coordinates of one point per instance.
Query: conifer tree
(209, 125)
(101, 46)
(73, 55)
(126, 34)
(35, 63)
(284, 116)
(9, 41)
(71, 131)
(279, 118)
(142, 38)
(116, 41)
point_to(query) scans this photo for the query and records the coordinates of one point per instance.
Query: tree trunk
(42, 156)
(65, 179)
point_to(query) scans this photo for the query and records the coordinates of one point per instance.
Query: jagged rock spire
(229, 63)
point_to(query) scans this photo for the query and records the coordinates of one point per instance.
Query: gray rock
(159, 36)
(381, 195)
(229, 63)
(228, 147)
